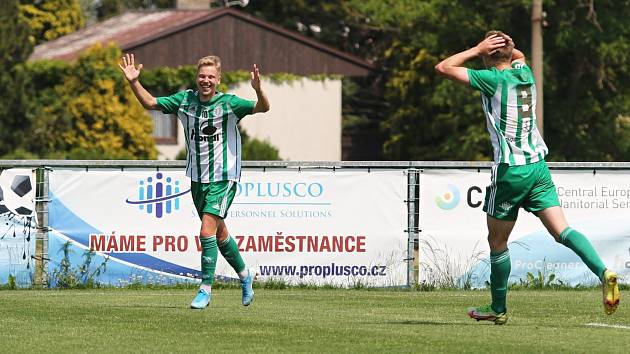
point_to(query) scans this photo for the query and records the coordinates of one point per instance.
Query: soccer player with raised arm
(209, 118)
(520, 176)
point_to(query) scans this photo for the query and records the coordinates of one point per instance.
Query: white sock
(207, 288)
(242, 275)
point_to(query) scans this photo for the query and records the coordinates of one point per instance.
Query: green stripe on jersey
(225, 141)
(197, 141)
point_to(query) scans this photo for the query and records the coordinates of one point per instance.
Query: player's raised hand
(255, 78)
(491, 44)
(129, 69)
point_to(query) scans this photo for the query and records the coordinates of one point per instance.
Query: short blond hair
(210, 60)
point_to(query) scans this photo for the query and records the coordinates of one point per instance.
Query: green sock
(229, 250)
(583, 248)
(209, 256)
(500, 267)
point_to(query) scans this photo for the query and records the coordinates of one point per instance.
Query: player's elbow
(150, 104)
(261, 108)
(440, 68)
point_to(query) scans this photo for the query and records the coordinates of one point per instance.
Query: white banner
(17, 226)
(319, 226)
(453, 240)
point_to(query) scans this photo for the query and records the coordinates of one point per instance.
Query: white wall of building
(169, 151)
(304, 122)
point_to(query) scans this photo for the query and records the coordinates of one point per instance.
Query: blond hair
(210, 60)
(503, 54)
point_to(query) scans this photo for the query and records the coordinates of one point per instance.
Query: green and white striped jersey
(509, 103)
(212, 136)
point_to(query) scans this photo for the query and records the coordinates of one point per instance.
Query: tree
(90, 112)
(424, 117)
(14, 50)
(51, 19)
(587, 81)
(342, 24)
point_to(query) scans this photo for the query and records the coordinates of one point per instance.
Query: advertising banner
(301, 226)
(453, 240)
(17, 227)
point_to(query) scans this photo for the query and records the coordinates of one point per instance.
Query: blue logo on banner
(158, 196)
(449, 198)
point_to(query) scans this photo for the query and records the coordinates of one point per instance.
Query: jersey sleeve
(241, 107)
(170, 104)
(485, 81)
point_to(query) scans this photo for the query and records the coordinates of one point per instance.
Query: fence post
(413, 200)
(41, 239)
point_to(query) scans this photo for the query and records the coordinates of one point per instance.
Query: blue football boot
(201, 301)
(246, 286)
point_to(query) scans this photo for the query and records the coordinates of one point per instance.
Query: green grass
(304, 320)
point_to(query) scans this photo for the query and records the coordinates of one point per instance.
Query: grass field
(303, 320)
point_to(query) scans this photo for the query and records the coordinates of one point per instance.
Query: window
(164, 127)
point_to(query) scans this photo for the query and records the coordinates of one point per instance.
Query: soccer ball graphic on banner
(16, 194)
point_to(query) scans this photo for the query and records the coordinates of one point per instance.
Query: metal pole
(412, 224)
(41, 239)
(537, 60)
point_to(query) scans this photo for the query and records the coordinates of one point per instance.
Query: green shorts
(528, 186)
(213, 198)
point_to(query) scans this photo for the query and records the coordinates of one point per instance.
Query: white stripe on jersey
(498, 143)
(493, 189)
(224, 199)
(217, 171)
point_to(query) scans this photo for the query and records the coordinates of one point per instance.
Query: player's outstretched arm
(131, 73)
(262, 104)
(452, 67)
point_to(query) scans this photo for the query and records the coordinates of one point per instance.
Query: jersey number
(524, 101)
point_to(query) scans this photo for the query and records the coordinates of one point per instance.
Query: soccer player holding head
(209, 118)
(520, 177)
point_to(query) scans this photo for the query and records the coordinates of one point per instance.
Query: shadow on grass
(146, 307)
(429, 323)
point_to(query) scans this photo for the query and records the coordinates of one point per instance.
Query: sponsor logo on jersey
(218, 111)
(207, 129)
(207, 133)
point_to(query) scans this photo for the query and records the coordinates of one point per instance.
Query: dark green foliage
(15, 47)
(52, 19)
(587, 81)
(85, 110)
(425, 117)
(403, 110)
